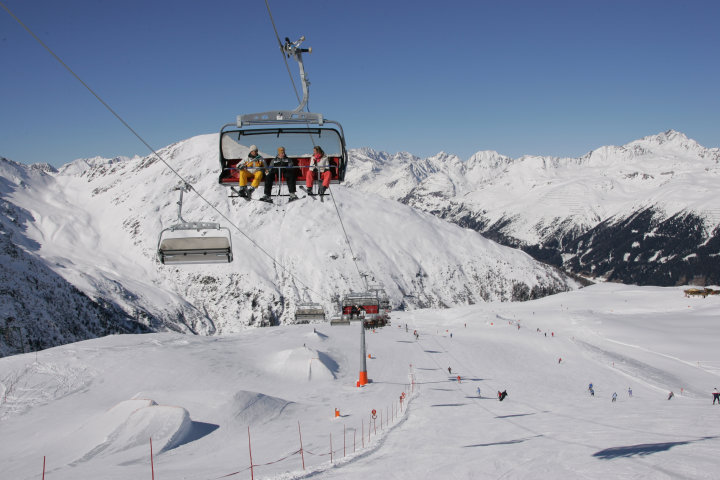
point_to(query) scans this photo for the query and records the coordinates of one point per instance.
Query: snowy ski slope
(90, 408)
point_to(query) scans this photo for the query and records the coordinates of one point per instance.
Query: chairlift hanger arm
(290, 49)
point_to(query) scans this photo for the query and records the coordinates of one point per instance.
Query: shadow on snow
(642, 449)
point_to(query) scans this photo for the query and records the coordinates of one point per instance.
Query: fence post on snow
(152, 464)
(252, 473)
(302, 453)
(43, 477)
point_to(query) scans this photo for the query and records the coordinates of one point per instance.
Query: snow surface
(90, 408)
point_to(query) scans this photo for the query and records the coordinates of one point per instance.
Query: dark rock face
(39, 308)
(645, 249)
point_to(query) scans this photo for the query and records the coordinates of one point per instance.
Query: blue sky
(520, 77)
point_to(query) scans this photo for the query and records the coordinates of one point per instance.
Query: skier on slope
(614, 397)
(716, 396)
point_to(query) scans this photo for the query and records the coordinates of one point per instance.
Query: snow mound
(256, 408)
(124, 431)
(303, 363)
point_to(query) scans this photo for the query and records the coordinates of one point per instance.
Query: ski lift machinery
(297, 131)
(194, 242)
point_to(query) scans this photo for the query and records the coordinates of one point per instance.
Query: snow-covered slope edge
(38, 307)
(95, 223)
(648, 206)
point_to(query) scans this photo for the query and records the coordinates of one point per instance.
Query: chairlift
(194, 242)
(383, 298)
(309, 313)
(367, 302)
(297, 131)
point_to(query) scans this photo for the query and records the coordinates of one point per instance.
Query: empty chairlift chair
(194, 242)
(384, 303)
(309, 313)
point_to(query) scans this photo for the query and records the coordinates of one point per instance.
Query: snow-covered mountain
(644, 213)
(91, 230)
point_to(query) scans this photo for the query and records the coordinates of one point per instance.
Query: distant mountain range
(77, 245)
(644, 213)
(77, 251)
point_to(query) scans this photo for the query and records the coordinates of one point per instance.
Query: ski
(308, 193)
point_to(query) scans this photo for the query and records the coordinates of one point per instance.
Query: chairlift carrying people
(297, 131)
(363, 306)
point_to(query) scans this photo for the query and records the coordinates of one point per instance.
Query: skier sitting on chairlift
(321, 163)
(279, 166)
(252, 167)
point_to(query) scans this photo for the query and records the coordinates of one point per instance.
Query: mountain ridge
(95, 224)
(544, 204)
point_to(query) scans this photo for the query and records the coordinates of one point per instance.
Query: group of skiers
(671, 395)
(257, 168)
